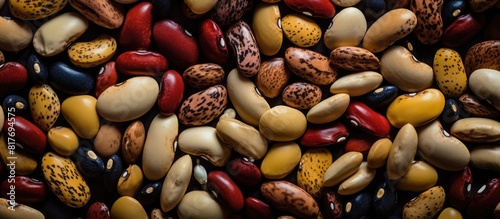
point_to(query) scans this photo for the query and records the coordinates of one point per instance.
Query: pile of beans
(130, 109)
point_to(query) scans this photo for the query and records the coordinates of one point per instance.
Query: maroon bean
(366, 119)
(176, 43)
(360, 143)
(171, 93)
(224, 189)
(14, 77)
(485, 200)
(244, 171)
(24, 189)
(325, 134)
(314, 8)
(141, 63)
(107, 77)
(32, 138)
(212, 41)
(459, 192)
(136, 30)
(332, 204)
(463, 29)
(257, 209)
(98, 210)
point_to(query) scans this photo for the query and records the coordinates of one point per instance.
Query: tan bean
(199, 204)
(176, 183)
(476, 129)
(342, 168)
(203, 141)
(243, 138)
(358, 181)
(402, 153)
(486, 157)
(16, 35)
(378, 153)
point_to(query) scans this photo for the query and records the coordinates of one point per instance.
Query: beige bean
(229, 113)
(347, 29)
(15, 35)
(378, 153)
(203, 141)
(133, 142)
(484, 83)
(108, 139)
(55, 35)
(440, 149)
(329, 109)
(486, 157)
(420, 177)
(159, 149)
(18, 211)
(246, 99)
(345, 3)
(358, 181)
(357, 84)
(176, 183)
(282, 123)
(402, 69)
(243, 138)
(402, 152)
(476, 129)
(392, 26)
(342, 168)
(200, 204)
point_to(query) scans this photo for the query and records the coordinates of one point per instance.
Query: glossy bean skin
(228, 12)
(136, 30)
(23, 131)
(287, 196)
(141, 63)
(244, 46)
(27, 190)
(15, 104)
(267, 29)
(322, 9)
(105, 13)
(381, 96)
(459, 191)
(429, 21)
(87, 161)
(14, 77)
(467, 26)
(112, 173)
(483, 202)
(224, 189)
(472, 104)
(204, 75)
(452, 10)
(364, 118)
(69, 79)
(98, 210)
(244, 171)
(176, 43)
(212, 42)
(325, 134)
(37, 69)
(257, 209)
(149, 193)
(107, 77)
(171, 92)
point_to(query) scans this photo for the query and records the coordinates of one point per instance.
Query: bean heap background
(52, 206)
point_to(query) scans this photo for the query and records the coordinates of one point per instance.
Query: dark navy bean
(150, 193)
(16, 102)
(382, 96)
(112, 173)
(69, 79)
(87, 161)
(373, 9)
(37, 69)
(451, 112)
(358, 206)
(452, 10)
(385, 199)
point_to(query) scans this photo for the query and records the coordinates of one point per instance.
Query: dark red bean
(325, 134)
(31, 138)
(171, 93)
(14, 77)
(98, 210)
(224, 189)
(212, 42)
(314, 8)
(24, 189)
(332, 204)
(366, 119)
(485, 200)
(257, 209)
(459, 192)
(107, 77)
(176, 43)
(360, 143)
(141, 63)
(136, 30)
(463, 29)
(244, 171)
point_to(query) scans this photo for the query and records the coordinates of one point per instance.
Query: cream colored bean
(402, 69)
(18, 211)
(243, 138)
(484, 83)
(159, 148)
(476, 129)
(108, 139)
(55, 35)
(357, 84)
(246, 99)
(229, 113)
(15, 35)
(378, 153)
(329, 109)
(282, 123)
(176, 183)
(402, 153)
(345, 3)
(342, 168)
(203, 141)
(358, 181)
(128, 100)
(389, 28)
(200, 204)
(348, 28)
(441, 149)
(486, 157)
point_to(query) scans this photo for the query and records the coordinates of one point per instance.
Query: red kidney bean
(463, 29)
(224, 189)
(136, 30)
(332, 204)
(141, 63)
(485, 200)
(360, 143)
(257, 209)
(314, 8)
(176, 43)
(171, 92)
(212, 42)
(325, 134)
(459, 192)
(98, 210)
(230, 11)
(14, 77)
(244, 171)
(31, 137)
(245, 48)
(24, 189)
(366, 119)
(107, 77)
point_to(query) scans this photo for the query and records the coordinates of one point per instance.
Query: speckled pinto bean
(34, 10)
(245, 48)
(429, 22)
(286, 196)
(105, 13)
